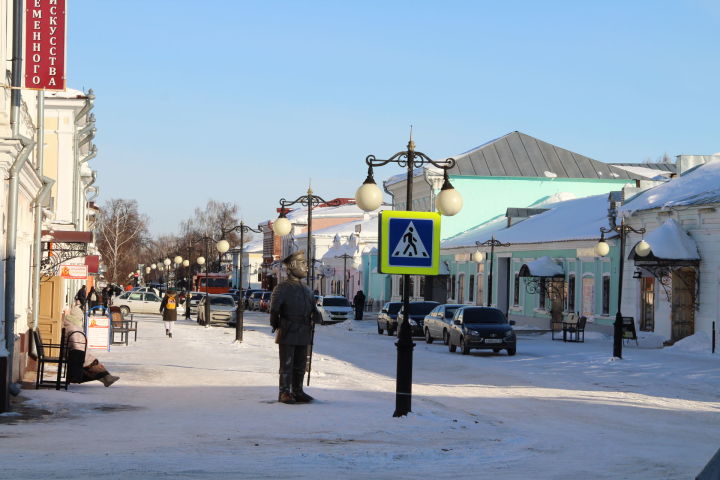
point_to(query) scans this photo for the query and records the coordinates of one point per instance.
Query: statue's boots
(286, 397)
(285, 381)
(300, 396)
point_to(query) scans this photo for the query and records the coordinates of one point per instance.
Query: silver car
(222, 309)
(334, 308)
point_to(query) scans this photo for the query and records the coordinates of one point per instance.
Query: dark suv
(418, 310)
(481, 327)
(387, 318)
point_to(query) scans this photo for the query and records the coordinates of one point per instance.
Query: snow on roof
(253, 246)
(347, 210)
(368, 227)
(699, 186)
(541, 267)
(671, 242)
(652, 173)
(576, 219)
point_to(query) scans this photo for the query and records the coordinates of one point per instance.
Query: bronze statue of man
(292, 309)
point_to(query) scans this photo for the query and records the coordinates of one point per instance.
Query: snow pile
(650, 340)
(697, 343)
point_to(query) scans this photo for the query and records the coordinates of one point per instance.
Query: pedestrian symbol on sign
(410, 245)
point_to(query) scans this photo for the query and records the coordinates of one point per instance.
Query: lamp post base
(403, 388)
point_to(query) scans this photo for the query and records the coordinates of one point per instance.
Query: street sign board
(409, 242)
(74, 272)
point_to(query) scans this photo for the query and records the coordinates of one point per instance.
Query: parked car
(333, 308)
(254, 301)
(194, 300)
(138, 302)
(418, 310)
(222, 309)
(247, 294)
(265, 301)
(482, 328)
(438, 321)
(387, 318)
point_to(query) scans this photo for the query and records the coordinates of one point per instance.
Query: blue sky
(246, 101)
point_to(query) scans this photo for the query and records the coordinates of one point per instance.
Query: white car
(334, 308)
(138, 302)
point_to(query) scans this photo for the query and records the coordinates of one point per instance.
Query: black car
(482, 328)
(438, 321)
(387, 318)
(418, 310)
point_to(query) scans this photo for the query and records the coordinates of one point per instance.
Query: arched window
(471, 289)
(516, 290)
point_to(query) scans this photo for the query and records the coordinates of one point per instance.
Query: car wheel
(446, 338)
(380, 329)
(465, 346)
(125, 310)
(428, 337)
(390, 331)
(451, 347)
(496, 350)
(511, 351)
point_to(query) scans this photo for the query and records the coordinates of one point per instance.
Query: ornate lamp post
(345, 258)
(223, 246)
(177, 261)
(602, 249)
(448, 202)
(282, 226)
(167, 263)
(478, 256)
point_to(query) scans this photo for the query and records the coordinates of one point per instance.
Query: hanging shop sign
(45, 44)
(74, 272)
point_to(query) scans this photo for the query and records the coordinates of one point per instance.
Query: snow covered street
(199, 406)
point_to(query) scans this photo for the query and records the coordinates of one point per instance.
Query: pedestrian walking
(292, 310)
(93, 299)
(359, 304)
(168, 307)
(81, 296)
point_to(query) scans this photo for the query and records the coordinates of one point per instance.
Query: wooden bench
(574, 329)
(558, 325)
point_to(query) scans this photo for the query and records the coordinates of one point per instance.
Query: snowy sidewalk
(200, 406)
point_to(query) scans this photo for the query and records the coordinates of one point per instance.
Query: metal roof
(663, 166)
(520, 155)
(513, 212)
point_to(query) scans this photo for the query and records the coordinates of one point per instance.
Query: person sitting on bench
(73, 318)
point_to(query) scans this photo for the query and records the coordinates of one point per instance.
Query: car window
(421, 308)
(394, 308)
(135, 296)
(450, 311)
(266, 295)
(483, 315)
(335, 302)
(151, 297)
(124, 295)
(227, 301)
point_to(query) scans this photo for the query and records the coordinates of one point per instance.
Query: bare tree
(122, 233)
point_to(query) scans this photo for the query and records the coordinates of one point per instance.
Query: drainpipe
(77, 143)
(47, 184)
(10, 248)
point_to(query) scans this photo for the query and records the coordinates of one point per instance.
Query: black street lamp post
(345, 257)
(239, 315)
(282, 226)
(448, 202)
(477, 257)
(602, 249)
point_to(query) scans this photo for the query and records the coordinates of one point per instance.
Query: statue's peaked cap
(293, 256)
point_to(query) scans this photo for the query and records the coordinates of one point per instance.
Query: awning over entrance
(542, 267)
(669, 244)
(68, 236)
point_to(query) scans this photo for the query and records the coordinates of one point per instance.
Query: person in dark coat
(93, 298)
(168, 307)
(81, 296)
(359, 304)
(105, 294)
(292, 310)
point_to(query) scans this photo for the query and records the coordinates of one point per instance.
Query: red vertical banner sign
(45, 44)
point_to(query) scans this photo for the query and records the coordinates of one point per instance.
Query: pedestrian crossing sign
(409, 242)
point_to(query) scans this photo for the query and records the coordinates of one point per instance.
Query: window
(422, 287)
(452, 287)
(571, 293)
(647, 304)
(411, 287)
(541, 298)
(588, 296)
(606, 295)
(461, 288)
(471, 289)
(516, 290)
